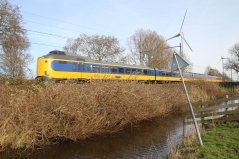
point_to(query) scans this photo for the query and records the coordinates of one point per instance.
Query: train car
(60, 66)
(208, 78)
(57, 65)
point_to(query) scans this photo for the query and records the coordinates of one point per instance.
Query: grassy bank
(37, 114)
(221, 141)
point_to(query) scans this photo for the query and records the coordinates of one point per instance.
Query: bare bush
(33, 114)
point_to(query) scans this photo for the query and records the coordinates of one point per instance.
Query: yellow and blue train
(57, 65)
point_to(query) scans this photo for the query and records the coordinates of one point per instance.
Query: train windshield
(57, 53)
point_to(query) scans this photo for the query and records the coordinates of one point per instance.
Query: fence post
(202, 112)
(226, 109)
(183, 127)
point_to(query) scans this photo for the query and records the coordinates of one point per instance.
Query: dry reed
(36, 114)
(185, 150)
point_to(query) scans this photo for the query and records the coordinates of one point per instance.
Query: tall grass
(36, 114)
(185, 150)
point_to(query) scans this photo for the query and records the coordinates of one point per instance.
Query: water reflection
(150, 139)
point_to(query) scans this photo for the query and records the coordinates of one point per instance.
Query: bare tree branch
(97, 47)
(13, 41)
(147, 48)
(233, 61)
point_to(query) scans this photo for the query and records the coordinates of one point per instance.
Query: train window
(121, 70)
(74, 66)
(151, 72)
(84, 67)
(157, 73)
(113, 69)
(134, 71)
(79, 66)
(105, 69)
(62, 62)
(95, 68)
(57, 53)
(145, 72)
(89, 68)
(140, 71)
(127, 70)
(163, 74)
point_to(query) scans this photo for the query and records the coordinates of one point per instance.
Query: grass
(221, 141)
(36, 114)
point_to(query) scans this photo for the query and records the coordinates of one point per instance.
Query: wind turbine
(181, 35)
(176, 62)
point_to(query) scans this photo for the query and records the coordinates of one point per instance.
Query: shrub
(36, 114)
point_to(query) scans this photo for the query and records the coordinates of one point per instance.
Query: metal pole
(237, 77)
(223, 70)
(189, 102)
(232, 86)
(181, 46)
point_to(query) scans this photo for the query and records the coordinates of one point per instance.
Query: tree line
(145, 47)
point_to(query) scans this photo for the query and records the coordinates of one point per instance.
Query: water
(150, 139)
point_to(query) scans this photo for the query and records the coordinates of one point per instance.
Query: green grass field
(221, 142)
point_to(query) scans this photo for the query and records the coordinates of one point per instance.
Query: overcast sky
(211, 27)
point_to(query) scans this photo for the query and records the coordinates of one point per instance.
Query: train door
(155, 74)
(80, 69)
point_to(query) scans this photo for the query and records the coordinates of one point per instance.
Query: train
(57, 65)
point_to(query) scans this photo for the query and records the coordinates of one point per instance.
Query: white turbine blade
(183, 20)
(187, 43)
(173, 37)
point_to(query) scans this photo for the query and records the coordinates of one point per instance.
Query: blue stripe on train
(66, 66)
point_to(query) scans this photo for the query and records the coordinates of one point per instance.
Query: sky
(211, 26)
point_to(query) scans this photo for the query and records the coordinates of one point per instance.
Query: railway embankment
(38, 114)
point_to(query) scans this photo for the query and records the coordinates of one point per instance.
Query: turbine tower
(182, 38)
